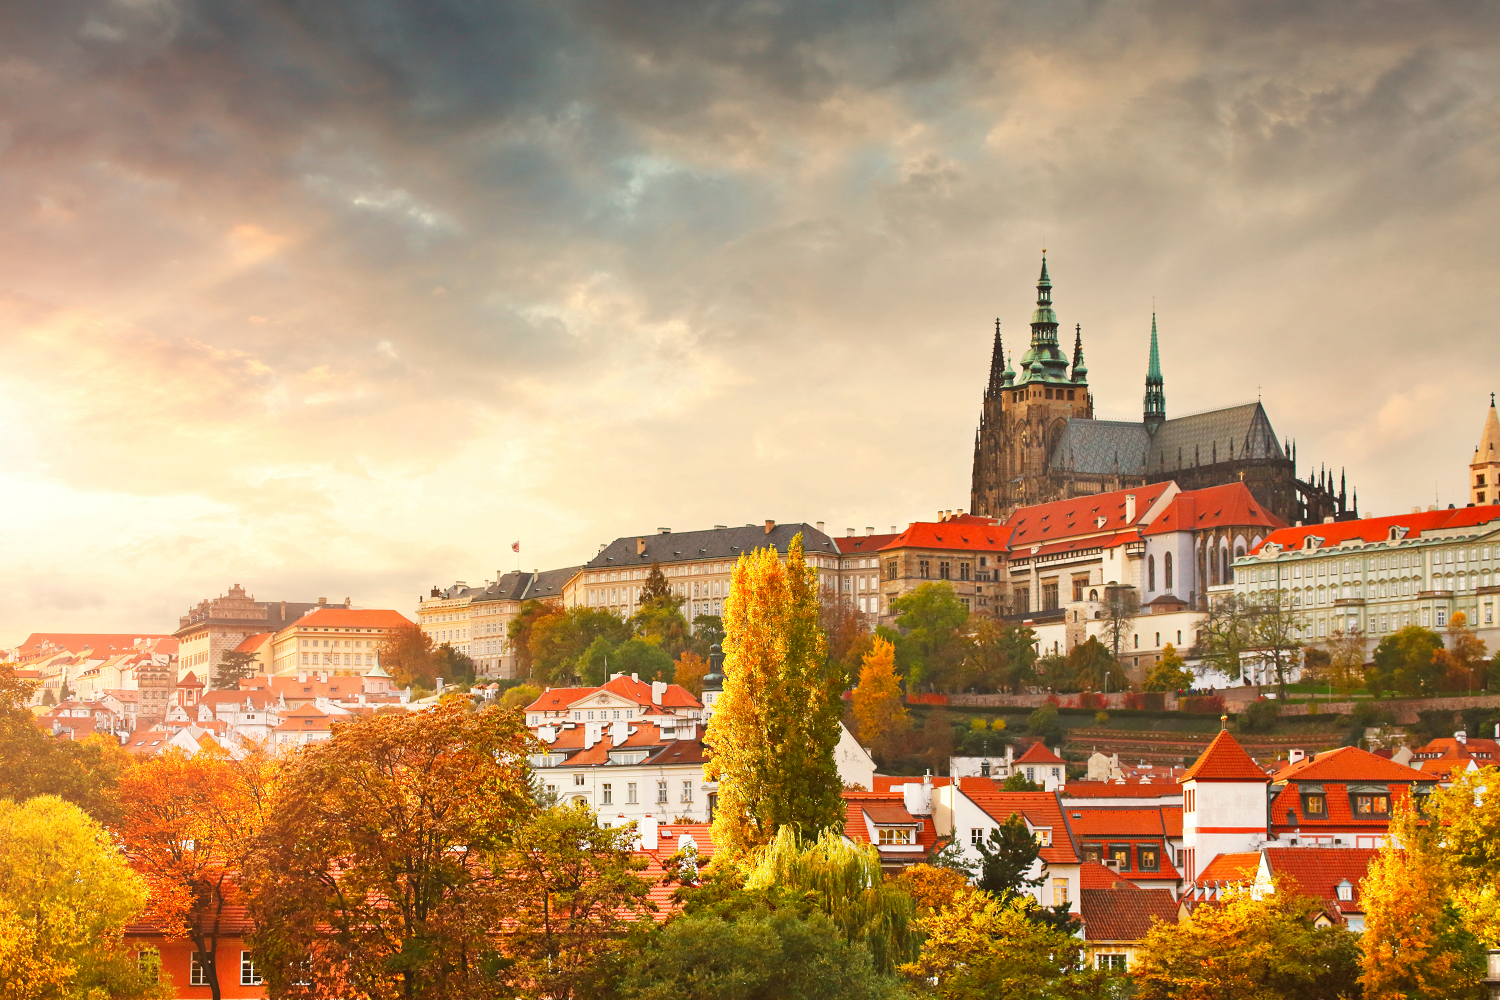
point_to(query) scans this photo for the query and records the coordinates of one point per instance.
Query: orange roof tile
(1079, 516)
(1348, 764)
(1110, 790)
(1230, 868)
(1038, 753)
(1115, 822)
(1038, 808)
(1317, 871)
(1224, 760)
(253, 643)
(1216, 506)
(336, 617)
(1117, 914)
(954, 534)
(1378, 529)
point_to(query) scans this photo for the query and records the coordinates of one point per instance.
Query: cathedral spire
(1156, 397)
(997, 364)
(1080, 370)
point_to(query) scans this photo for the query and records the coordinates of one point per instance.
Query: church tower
(1025, 410)
(1484, 471)
(1156, 397)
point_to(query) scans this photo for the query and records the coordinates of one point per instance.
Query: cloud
(341, 298)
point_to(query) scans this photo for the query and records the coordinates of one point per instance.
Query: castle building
(1484, 478)
(1039, 441)
(215, 627)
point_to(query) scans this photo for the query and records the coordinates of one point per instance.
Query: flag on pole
(515, 546)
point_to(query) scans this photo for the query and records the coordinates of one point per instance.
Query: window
(1043, 836)
(1314, 806)
(890, 569)
(1150, 572)
(1059, 891)
(1120, 853)
(943, 570)
(661, 792)
(1031, 774)
(577, 779)
(1149, 856)
(149, 964)
(1372, 805)
(894, 835)
(197, 971)
(963, 571)
(1093, 852)
(1166, 571)
(922, 568)
(1049, 596)
(687, 791)
(1113, 963)
(1078, 586)
(248, 975)
(1345, 891)
(1021, 600)
(607, 794)
(976, 835)
(630, 793)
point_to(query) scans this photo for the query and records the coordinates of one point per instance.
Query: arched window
(1213, 567)
(1150, 572)
(1239, 551)
(1166, 571)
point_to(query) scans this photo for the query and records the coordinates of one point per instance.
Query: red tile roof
(675, 696)
(886, 809)
(1317, 871)
(1110, 790)
(1348, 764)
(1093, 875)
(1378, 529)
(308, 718)
(1338, 810)
(1097, 822)
(1224, 760)
(1214, 507)
(955, 534)
(99, 642)
(558, 699)
(335, 617)
(253, 643)
(1231, 868)
(1038, 753)
(889, 782)
(863, 543)
(1078, 516)
(1124, 914)
(1038, 808)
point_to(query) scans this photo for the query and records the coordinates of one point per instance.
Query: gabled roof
(1038, 753)
(1038, 808)
(558, 699)
(1112, 821)
(1348, 764)
(1378, 529)
(1227, 868)
(886, 809)
(851, 544)
(1233, 433)
(1288, 809)
(1317, 871)
(1230, 505)
(675, 696)
(338, 617)
(1077, 517)
(308, 718)
(253, 643)
(954, 534)
(1094, 875)
(1117, 914)
(1224, 760)
(533, 585)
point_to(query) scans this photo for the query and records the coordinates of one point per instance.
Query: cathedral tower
(1156, 397)
(1484, 471)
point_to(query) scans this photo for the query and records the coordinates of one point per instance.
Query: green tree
(1227, 634)
(566, 646)
(1007, 856)
(453, 665)
(1169, 673)
(931, 621)
(1092, 666)
(1017, 783)
(1121, 606)
(518, 632)
(519, 697)
(1002, 654)
(372, 875)
(708, 631)
(85, 773)
(1259, 716)
(575, 888)
(645, 659)
(773, 731)
(234, 666)
(1407, 661)
(1275, 631)
(660, 622)
(657, 588)
(1043, 723)
(1251, 947)
(66, 894)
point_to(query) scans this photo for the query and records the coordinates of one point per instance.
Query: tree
(847, 631)
(1463, 661)
(1259, 716)
(931, 621)
(566, 645)
(1169, 673)
(644, 659)
(1093, 668)
(1407, 661)
(372, 874)
(1227, 634)
(452, 665)
(1121, 605)
(658, 617)
(1042, 722)
(1253, 946)
(982, 948)
(519, 697)
(689, 672)
(1346, 658)
(1275, 634)
(188, 825)
(657, 588)
(1415, 945)
(407, 654)
(1006, 859)
(773, 731)
(234, 666)
(518, 632)
(66, 894)
(1017, 783)
(1002, 654)
(1458, 839)
(575, 889)
(85, 772)
(882, 718)
(931, 887)
(708, 632)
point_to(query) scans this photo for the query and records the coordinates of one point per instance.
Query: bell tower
(1484, 471)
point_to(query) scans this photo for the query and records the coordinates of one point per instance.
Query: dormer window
(1315, 806)
(895, 836)
(1345, 891)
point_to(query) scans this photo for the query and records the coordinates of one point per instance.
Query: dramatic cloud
(340, 299)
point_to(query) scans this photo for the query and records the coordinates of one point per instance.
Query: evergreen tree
(1006, 858)
(234, 666)
(657, 588)
(772, 734)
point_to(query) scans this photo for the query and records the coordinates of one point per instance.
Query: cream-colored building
(334, 640)
(475, 620)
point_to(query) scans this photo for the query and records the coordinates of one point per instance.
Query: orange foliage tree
(691, 669)
(882, 718)
(773, 731)
(188, 821)
(373, 874)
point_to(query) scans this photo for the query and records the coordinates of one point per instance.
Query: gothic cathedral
(1038, 439)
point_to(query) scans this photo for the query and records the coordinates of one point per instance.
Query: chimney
(658, 688)
(869, 531)
(602, 547)
(1462, 737)
(769, 526)
(663, 531)
(636, 678)
(640, 546)
(646, 825)
(1129, 508)
(849, 532)
(894, 531)
(820, 526)
(322, 600)
(591, 734)
(1296, 756)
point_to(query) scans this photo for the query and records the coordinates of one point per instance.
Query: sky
(341, 299)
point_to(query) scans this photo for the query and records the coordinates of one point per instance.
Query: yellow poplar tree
(773, 730)
(877, 701)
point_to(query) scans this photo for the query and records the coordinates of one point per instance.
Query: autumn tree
(575, 889)
(878, 709)
(848, 631)
(1227, 634)
(930, 887)
(689, 672)
(373, 873)
(406, 653)
(773, 731)
(1252, 946)
(233, 667)
(1276, 632)
(1407, 661)
(66, 894)
(1093, 668)
(1002, 655)
(519, 697)
(982, 948)
(1118, 613)
(1170, 673)
(1463, 662)
(84, 772)
(518, 631)
(188, 824)
(562, 645)
(1346, 658)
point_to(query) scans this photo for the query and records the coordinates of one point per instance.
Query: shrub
(1101, 718)
(1259, 716)
(1205, 704)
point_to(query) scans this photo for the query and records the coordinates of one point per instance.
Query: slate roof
(710, 543)
(526, 586)
(1102, 447)
(1235, 433)
(1224, 760)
